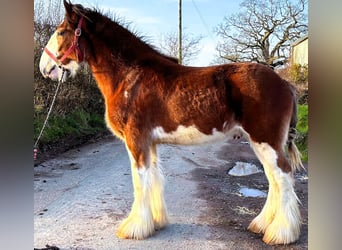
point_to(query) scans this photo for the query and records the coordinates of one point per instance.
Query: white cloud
(207, 53)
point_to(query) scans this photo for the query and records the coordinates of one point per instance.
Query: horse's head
(64, 52)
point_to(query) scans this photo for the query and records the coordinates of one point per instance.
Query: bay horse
(151, 99)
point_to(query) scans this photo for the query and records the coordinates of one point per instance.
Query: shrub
(77, 123)
(299, 74)
(302, 131)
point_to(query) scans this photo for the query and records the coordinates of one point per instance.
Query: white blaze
(48, 66)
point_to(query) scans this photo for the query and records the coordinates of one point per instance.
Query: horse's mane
(94, 15)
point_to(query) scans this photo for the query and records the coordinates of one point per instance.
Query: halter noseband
(74, 46)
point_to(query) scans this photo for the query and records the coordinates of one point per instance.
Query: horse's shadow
(176, 232)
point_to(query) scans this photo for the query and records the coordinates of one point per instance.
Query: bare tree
(262, 31)
(190, 46)
(47, 15)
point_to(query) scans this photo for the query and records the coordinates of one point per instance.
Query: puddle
(243, 169)
(251, 192)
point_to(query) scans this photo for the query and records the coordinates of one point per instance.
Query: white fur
(158, 206)
(268, 158)
(139, 224)
(148, 210)
(285, 228)
(49, 68)
(279, 219)
(189, 135)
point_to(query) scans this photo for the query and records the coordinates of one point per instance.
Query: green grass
(78, 123)
(302, 131)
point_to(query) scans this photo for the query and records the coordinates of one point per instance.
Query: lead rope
(35, 149)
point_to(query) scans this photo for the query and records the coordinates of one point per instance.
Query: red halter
(74, 46)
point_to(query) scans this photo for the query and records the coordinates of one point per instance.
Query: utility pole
(180, 31)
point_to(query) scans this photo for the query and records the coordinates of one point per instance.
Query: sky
(153, 18)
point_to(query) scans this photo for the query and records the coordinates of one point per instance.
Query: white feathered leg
(139, 224)
(158, 206)
(279, 220)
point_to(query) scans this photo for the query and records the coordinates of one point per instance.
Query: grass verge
(302, 131)
(78, 123)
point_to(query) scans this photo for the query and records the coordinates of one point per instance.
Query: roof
(298, 41)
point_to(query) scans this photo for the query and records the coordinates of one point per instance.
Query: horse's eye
(61, 33)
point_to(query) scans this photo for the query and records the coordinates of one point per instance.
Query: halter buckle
(78, 32)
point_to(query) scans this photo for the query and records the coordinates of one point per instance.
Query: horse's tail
(293, 152)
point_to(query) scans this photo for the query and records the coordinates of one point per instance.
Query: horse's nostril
(52, 68)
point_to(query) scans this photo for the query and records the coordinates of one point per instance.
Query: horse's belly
(187, 135)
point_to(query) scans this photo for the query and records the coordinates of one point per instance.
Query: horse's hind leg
(266, 216)
(279, 219)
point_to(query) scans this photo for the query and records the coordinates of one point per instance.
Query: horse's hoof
(284, 236)
(135, 228)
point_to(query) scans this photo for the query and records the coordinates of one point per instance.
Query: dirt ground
(47, 152)
(231, 212)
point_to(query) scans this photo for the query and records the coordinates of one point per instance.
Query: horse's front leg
(158, 206)
(140, 222)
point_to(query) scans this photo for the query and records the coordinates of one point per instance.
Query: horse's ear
(68, 8)
(70, 16)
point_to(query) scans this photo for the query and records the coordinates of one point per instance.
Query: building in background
(299, 51)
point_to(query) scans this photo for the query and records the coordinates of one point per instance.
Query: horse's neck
(111, 74)
(107, 76)
(114, 59)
